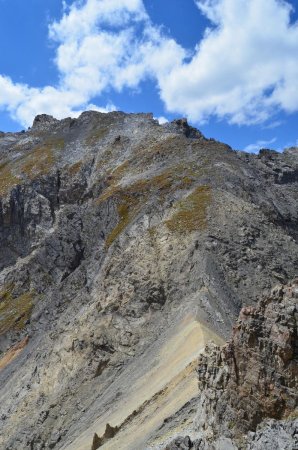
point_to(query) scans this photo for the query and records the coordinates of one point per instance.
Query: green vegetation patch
(191, 214)
(120, 171)
(159, 184)
(75, 168)
(131, 198)
(14, 311)
(7, 178)
(41, 159)
(127, 211)
(37, 162)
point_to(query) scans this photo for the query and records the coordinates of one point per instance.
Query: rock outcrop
(248, 389)
(125, 247)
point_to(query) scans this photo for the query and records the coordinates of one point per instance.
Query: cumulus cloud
(24, 103)
(101, 45)
(162, 120)
(243, 70)
(83, 18)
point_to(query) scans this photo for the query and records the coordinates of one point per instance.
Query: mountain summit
(127, 246)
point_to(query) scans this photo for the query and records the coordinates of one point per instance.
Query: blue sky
(229, 66)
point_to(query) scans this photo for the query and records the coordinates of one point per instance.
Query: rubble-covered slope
(125, 247)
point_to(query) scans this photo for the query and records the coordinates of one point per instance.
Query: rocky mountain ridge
(126, 246)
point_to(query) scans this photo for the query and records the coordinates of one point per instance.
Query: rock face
(253, 378)
(274, 434)
(125, 247)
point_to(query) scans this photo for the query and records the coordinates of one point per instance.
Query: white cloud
(273, 124)
(83, 18)
(252, 148)
(245, 67)
(24, 103)
(99, 48)
(108, 108)
(161, 120)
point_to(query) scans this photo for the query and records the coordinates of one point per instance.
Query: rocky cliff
(248, 388)
(125, 247)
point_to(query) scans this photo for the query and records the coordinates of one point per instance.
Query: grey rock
(114, 231)
(183, 443)
(253, 378)
(43, 121)
(274, 434)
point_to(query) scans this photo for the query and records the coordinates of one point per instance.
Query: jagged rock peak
(85, 116)
(43, 120)
(180, 126)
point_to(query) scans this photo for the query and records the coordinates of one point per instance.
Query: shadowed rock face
(124, 244)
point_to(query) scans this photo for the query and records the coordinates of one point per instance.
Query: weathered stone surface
(115, 234)
(183, 443)
(254, 377)
(43, 121)
(274, 435)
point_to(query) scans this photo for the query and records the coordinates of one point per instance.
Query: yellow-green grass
(127, 211)
(42, 158)
(191, 212)
(8, 179)
(14, 311)
(131, 198)
(75, 168)
(32, 164)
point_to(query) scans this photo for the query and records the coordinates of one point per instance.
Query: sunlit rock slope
(125, 247)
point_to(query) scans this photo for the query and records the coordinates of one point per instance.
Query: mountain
(126, 247)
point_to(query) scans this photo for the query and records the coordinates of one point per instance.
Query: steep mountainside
(125, 247)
